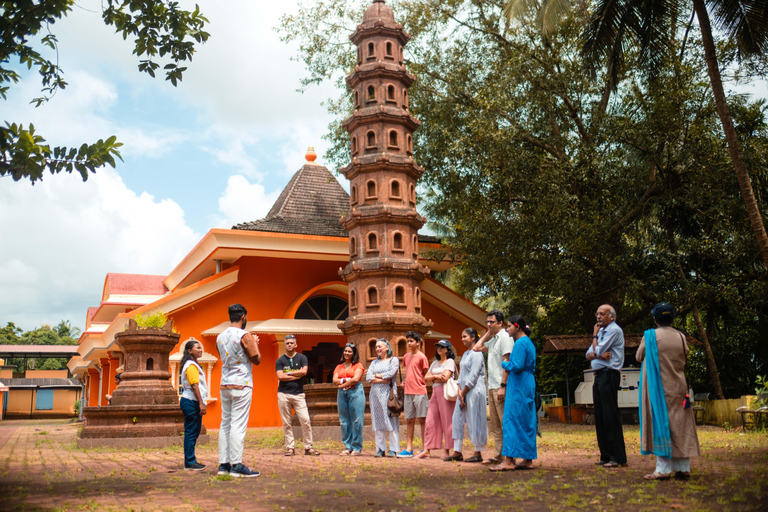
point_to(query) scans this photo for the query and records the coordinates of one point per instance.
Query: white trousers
(458, 445)
(235, 409)
(394, 439)
(666, 465)
(286, 402)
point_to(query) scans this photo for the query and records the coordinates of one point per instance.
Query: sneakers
(195, 467)
(391, 453)
(405, 454)
(224, 469)
(240, 471)
(380, 453)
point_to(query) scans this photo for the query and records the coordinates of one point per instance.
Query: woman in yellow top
(192, 401)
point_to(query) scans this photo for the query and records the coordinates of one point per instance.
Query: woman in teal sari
(667, 425)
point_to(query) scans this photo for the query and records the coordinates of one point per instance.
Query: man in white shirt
(238, 350)
(499, 346)
(606, 355)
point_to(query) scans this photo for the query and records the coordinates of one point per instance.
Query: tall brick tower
(383, 273)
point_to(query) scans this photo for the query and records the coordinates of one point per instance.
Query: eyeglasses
(602, 314)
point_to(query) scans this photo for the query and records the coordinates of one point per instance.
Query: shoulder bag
(395, 402)
(451, 390)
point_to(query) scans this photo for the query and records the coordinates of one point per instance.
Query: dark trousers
(193, 422)
(610, 435)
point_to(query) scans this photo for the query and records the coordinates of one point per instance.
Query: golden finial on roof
(311, 156)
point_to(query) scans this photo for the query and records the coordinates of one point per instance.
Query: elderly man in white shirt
(606, 355)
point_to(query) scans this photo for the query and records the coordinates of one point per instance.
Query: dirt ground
(42, 469)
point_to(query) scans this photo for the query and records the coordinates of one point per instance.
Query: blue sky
(214, 151)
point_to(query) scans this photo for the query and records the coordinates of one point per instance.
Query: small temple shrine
(326, 266)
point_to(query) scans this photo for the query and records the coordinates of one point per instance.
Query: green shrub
(156, 320)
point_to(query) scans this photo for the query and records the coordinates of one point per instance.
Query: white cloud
(62, 236)
(243, 201)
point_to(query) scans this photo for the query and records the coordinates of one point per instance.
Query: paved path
(41, 468)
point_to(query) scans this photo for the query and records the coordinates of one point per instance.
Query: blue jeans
(193, 422)
(351, 405)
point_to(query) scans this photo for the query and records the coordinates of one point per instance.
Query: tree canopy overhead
(164, 35)
(558, 197)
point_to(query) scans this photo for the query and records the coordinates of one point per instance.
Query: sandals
(290, 452)
(492, 460)
(611, 465)
(502, 467)
(475, 458)
(344, 453)
(421, 455)
(454, 458)
(354, 453)
(524, 466)
(682, 475)
(311, 451)
(658, 476)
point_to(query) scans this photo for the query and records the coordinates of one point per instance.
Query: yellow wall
(20, 401)
(46, 374)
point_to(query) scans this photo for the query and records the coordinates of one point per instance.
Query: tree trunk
(714, 375)
(734, 148)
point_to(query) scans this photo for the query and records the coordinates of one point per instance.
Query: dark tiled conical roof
(311, 204)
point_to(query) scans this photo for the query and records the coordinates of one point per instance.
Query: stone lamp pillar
(383, 273)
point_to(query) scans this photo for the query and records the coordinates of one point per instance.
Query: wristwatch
(503, 384)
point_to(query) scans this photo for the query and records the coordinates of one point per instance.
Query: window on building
(371, 93)
(323, 307)
(373, 244)
(390, 93)
(399, 296)
(371, 190)
(353, 194)
(397, 242)
(373, 297)
(394, 188)
(352, 300)
(44, 400)
(371, 140)
(393, 139)
(389, 49)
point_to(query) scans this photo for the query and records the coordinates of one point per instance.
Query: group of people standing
(459, 395)
(443, 416)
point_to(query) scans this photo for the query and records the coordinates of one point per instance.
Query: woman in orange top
(350, 400)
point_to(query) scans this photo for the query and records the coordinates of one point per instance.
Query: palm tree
(615, 24)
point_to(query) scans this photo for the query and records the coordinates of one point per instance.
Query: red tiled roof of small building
(135, 284)
(579, 343)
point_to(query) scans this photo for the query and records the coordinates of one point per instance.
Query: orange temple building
(324, 265)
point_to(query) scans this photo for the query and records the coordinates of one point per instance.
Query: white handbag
(451, 390)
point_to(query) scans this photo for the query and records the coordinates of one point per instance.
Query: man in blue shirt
(606, 355)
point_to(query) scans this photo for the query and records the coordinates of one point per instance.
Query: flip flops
(658, 476)
(492, 460)
(290, 452)
(502, 467)
(475, 458)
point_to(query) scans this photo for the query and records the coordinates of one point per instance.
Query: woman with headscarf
(382, 376)
(520, 405)
(667, 424)
(471, 406)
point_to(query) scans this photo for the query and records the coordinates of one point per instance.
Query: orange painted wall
(266, 287)
(104, 388)
(93, 388)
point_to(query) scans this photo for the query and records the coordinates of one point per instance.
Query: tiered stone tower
(383, 271)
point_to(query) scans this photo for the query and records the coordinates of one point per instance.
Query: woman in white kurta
(382, 376)
(471, 404)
